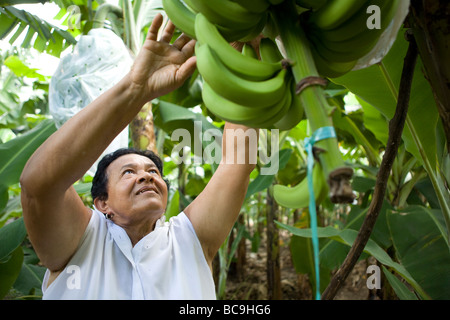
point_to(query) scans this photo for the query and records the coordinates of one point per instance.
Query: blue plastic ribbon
(319, 134)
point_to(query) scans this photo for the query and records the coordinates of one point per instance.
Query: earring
(109, 216)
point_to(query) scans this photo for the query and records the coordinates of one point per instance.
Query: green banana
(230, 34)
(236, 113)
(181, 16)
(298, 196)
(243, 35)
(191, 5)
(357, 24)
(255, 31)
(276, 111)
(256, 6)
(270, 29)
(295, 113)
(358, 46)
(226, 109)
(269, 51)
(331, 69)
(335, 13)
(311, 4)
(388, 12)
(227, 13)
(249, 51)
(231, 86)
(247, 67)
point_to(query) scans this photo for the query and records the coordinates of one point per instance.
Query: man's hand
(161, 67)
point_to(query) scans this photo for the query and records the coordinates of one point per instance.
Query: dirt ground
(252, 285)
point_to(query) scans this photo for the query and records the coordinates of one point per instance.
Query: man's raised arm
(214, 212)
(54, 215)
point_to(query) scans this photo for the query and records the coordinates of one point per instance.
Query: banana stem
(102, 13)
(130, 27)
(316, 107)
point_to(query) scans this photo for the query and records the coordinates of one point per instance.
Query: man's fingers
(154, 27)
(181, 42)
(168, 32)
(189, 48)
(186, 69)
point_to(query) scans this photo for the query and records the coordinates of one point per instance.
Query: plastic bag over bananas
(97, 62)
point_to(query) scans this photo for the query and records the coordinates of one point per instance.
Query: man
(132, 253)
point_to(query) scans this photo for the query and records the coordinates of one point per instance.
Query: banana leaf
(420, 244)
(170, 117)
(9, 271)
(11, 236)
(29, 281)
(50, 38)
(173, 207)
(5, 3)
(11, 254)
(263, 181)
(401, 290)
(375, 121)
(15, 153)
(20, 69)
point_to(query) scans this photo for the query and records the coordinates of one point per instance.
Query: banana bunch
(339, 35)
(236, 20)
(240, 88)
(298, 196)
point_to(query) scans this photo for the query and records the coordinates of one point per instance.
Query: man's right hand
(161, 67)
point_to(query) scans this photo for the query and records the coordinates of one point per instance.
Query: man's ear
(101, 205)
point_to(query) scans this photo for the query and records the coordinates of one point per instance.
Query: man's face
(136, 190)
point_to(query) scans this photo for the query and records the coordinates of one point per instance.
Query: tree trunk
(430, 22)
(273, 251)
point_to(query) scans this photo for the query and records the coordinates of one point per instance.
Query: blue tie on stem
(319, 134)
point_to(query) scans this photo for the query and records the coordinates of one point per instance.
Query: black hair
(100, 181)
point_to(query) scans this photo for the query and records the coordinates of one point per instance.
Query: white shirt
(168, 263)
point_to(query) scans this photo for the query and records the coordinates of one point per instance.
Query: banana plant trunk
(431, 27)
(317, 109)
(142, 129)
